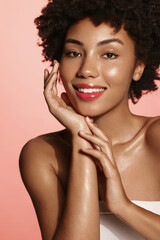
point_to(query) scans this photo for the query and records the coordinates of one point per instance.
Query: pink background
(24, 113)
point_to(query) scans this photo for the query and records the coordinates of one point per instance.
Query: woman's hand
(61, 108)
(113, 192)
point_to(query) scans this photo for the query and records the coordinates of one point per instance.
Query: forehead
(86, 32)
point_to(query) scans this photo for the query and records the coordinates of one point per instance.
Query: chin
(90, 110)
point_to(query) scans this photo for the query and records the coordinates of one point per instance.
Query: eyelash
(111, 55)
(71, 54)
(74, 54)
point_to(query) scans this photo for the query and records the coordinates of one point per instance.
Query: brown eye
(72, 54)
(110, 55)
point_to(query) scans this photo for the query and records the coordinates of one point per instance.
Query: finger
(59, 77)
(92, 138)
(98, 132)
(47, 76)
(108, 168)
(102, 144)
(55, 67)
(50, 89)
(51, 83)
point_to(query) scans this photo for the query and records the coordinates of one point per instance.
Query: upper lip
(89, 85)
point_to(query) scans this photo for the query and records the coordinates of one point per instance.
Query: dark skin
(115, 158)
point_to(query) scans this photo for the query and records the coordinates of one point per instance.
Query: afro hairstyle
(140, 19)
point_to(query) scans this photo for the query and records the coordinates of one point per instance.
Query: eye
(110, 55)
(72, 54)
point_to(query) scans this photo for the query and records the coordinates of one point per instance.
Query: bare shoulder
(44, 164)
(153, 133)
(46, 153)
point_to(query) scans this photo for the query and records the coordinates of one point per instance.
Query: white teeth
(90, 90)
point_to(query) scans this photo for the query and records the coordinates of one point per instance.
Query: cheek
(67, 71)
(110, 74)
(65, 74)
(120, 75)
(63, 70)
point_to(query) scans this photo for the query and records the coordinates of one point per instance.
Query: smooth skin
(114, 157)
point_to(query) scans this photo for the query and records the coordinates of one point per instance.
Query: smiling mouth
(87, 92)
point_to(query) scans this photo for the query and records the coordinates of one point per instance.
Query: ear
(138, 71)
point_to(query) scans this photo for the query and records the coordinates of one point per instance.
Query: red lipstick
(88, 92)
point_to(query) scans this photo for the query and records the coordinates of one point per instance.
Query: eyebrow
(107, 41)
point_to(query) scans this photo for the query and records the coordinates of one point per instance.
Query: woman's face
(97, 67)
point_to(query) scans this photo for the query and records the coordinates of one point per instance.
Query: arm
(80, 218)
(141, 220)
(60, 216)
(38, 171)
(76, 215)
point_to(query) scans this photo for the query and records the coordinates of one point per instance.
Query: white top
(112, 228)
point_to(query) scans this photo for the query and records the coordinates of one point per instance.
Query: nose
(88, 68)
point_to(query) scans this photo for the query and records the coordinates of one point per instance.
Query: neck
(119, 124)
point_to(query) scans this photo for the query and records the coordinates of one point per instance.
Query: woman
(104, 52)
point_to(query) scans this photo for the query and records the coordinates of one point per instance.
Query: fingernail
(89, 119)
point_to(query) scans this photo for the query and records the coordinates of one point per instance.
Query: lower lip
(88, 96)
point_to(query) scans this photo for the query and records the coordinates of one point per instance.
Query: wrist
(123, 209)
(77, 140)
(81, 125)
(75, 132)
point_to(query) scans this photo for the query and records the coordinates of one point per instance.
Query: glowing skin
(57, 168)
(98, 56)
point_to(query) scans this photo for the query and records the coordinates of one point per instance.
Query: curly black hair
(140, 18)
